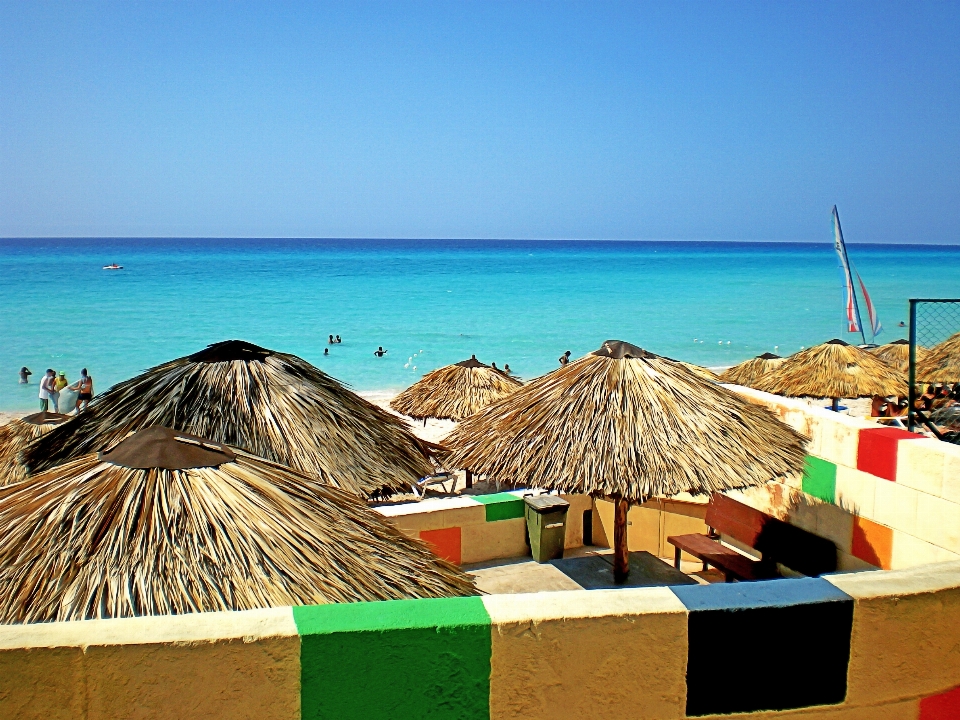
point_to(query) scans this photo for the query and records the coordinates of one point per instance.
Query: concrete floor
(523, 575)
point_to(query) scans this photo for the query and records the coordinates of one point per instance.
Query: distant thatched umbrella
(271, 404)
(16, 435)
(750, 371)
(455, 392)
(168, 523)
(834, 370)
(626, 424)
(942, 362)
(896, 354)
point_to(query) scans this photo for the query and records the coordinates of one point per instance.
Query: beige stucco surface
(237, 665)
(906, 632)
(890, 711)
(564, 655)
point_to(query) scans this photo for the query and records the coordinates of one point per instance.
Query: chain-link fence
(932, 321)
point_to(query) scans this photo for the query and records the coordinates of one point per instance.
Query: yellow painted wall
(577, 655)
(135, 669)
(650, 524)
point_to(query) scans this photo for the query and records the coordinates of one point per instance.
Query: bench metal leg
(676, 558)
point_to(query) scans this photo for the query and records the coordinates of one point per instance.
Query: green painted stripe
(501, 506)
(820, 478)
(395, 659)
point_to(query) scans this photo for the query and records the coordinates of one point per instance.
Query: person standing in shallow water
(380, 352)
(25, 375)
(46, 390)
(564, 359)
(84, 386)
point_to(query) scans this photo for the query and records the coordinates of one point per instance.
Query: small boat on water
(114, 266)
(852, 307)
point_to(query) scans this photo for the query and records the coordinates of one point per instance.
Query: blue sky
(725, 121)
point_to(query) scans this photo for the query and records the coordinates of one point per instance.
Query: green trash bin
(546, 526)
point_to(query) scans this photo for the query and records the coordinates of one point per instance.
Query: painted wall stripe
(743, 623)
(395, 659)
(877, 451)
(501, 506)
(820, 478)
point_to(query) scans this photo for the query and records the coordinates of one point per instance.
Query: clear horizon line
(463, 239)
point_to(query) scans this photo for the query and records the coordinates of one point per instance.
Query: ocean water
(430, 303)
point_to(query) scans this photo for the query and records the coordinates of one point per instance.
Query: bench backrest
(777, 541)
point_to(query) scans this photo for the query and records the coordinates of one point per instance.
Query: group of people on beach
(934, 398)
(53, 383)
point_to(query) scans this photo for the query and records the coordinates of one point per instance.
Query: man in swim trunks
(564, 359)
(380, 352)
(85, 387)
(46, 390)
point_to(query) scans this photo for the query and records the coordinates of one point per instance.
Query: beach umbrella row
(274, 405)
(169, 523)
(941, 364)
(626, 424)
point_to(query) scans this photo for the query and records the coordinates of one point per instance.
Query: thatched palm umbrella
(750, 371)
(455, 392)
(896, 354)
(941, 363)
(626, 424)
(705, 373)
(271, 404)
(16, 435)
(167, 523)
(835, 370)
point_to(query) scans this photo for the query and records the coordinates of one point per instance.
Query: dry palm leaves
(625, 423)
(896, 354)
(16, 435)
(835, 370)
(271, 404)
(942, 362)
(170, 524)
(455, 392)
(749, 372)
(699, 370)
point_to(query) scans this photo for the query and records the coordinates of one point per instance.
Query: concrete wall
(887, 498)
(864, 646)
(476, 528)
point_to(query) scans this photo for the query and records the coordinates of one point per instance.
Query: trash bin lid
(546, 503)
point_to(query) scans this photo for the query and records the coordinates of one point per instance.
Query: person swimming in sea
(338, 340)
(380, 352)
(326, 351)
(564, 359)
(506, 368)
(25, 374)
(331, 341)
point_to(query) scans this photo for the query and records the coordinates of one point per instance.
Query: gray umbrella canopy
(271, 404)
(455, 392)
(626, 424)
(16, 435)
(167, 523)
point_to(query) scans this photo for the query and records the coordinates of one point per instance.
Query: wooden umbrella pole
(836, 404)
(620, 552)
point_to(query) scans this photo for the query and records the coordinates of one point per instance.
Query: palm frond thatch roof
(941, 363)
(625, 423)
(169, 524)
(896, 354)
(833, 369)
(455, 392)
(750, 371)
(16, 435)
(271, 404)
(705, 373)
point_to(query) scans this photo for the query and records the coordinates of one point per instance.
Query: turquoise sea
(431, 302)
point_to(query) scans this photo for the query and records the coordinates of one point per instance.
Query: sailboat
(852, 307)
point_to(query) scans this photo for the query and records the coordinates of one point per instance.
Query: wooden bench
(775, 540)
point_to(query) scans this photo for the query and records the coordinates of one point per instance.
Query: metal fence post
(912, 376)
